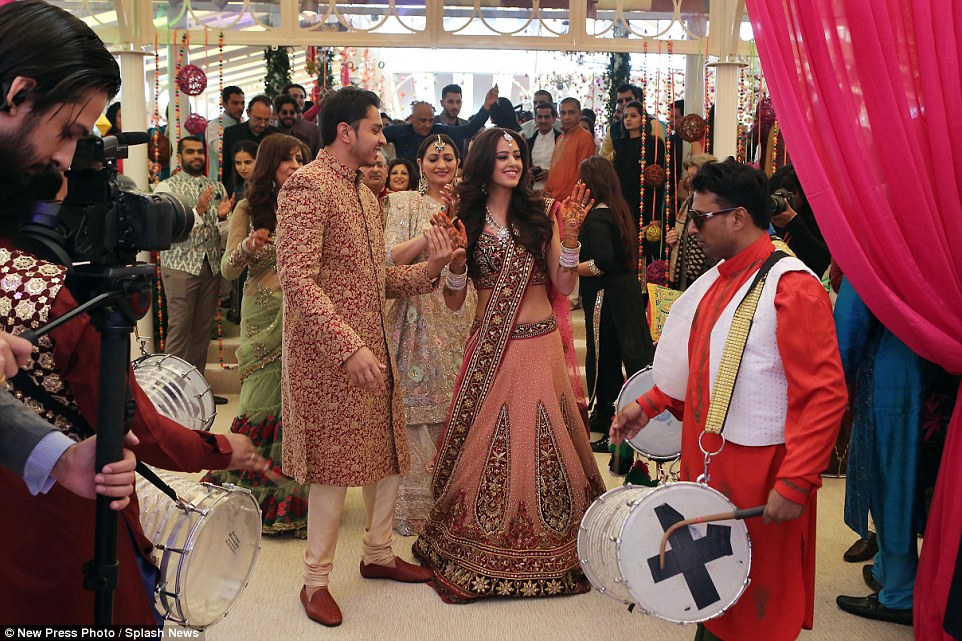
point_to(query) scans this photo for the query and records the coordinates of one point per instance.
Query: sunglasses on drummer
(699, 217)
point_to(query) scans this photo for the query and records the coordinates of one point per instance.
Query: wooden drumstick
(737, 515)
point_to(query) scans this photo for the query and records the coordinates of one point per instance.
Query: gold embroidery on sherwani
(492, 503)
(28, 287)
(554, 489)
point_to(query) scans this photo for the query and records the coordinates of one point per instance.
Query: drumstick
(738, 515)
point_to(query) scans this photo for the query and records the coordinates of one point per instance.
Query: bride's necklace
(504, 233)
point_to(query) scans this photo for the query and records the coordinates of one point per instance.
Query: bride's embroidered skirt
(512, 486)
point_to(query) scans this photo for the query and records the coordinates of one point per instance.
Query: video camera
(101, 221)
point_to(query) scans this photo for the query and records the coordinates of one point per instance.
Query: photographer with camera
(56, 77)
(794, 221)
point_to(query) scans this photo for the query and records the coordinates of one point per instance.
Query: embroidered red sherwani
(779, 602)
(330, 260)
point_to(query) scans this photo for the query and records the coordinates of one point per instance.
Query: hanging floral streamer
(670, 189)
(155, 178)
(740, 117)
(642, 263)
(220, 175)
(181, 51)
(774, 134)
(155, 256)
(220, 121)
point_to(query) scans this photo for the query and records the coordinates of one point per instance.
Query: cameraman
(56, 77)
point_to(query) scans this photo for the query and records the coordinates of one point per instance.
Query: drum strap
(30, 387)
(731, 358)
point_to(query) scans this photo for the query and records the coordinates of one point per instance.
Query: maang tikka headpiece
(439, 144)
(509, 138)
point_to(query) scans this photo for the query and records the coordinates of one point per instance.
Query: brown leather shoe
(322, 607)
(402, 571)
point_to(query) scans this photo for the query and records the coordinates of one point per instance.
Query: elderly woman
(687, 261)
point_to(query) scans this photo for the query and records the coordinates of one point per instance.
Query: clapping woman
(250, 246)
(514, 472)
(427, 337)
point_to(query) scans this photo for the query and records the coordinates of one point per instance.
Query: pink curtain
(869, 96)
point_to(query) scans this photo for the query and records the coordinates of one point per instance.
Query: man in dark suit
(258, 126)
(407, 138)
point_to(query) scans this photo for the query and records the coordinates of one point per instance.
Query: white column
(134, 109)
(725, 142)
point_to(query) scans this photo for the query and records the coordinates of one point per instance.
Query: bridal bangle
(569, 256)
(457, 282)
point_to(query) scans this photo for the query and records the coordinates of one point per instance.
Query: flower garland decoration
(618, 73)
(671, 190)
(278, 70)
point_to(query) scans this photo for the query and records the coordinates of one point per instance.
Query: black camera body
(101, 221)
(108, 224)
(780, 201)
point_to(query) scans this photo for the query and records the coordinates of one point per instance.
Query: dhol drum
(660, 440)
(206, 546)
(177, 390)
(706, 565)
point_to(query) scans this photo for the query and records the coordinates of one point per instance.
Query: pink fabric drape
(869, 96)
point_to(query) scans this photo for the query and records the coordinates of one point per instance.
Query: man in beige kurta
(344, 420)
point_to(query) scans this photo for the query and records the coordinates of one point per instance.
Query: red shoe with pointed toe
(402, 571)
(322, 607)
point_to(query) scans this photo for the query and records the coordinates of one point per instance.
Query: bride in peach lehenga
(514, 473)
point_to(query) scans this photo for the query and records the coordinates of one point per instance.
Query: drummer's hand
(244, 455)
(628, 422)
(365, 371)
(779, 509)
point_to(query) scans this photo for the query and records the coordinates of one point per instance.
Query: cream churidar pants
(324, 520)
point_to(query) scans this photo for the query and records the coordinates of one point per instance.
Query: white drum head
(206, 549)
(706, 565)
(660, 440)
(224, 548)
(177, 390)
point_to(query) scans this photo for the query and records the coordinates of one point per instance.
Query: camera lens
(181, 218)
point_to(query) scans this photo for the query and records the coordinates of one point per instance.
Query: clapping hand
(447, 220)
(225, 207)
(574, 209)
(204, 201)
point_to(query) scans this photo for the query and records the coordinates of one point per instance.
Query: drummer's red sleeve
(654, 402)
(163, 442)
(816, 383)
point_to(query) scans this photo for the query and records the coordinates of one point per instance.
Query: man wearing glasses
(289, 122)
(786, 401)
(258, 126)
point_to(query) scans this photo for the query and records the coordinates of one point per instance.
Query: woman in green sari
(250, 246)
